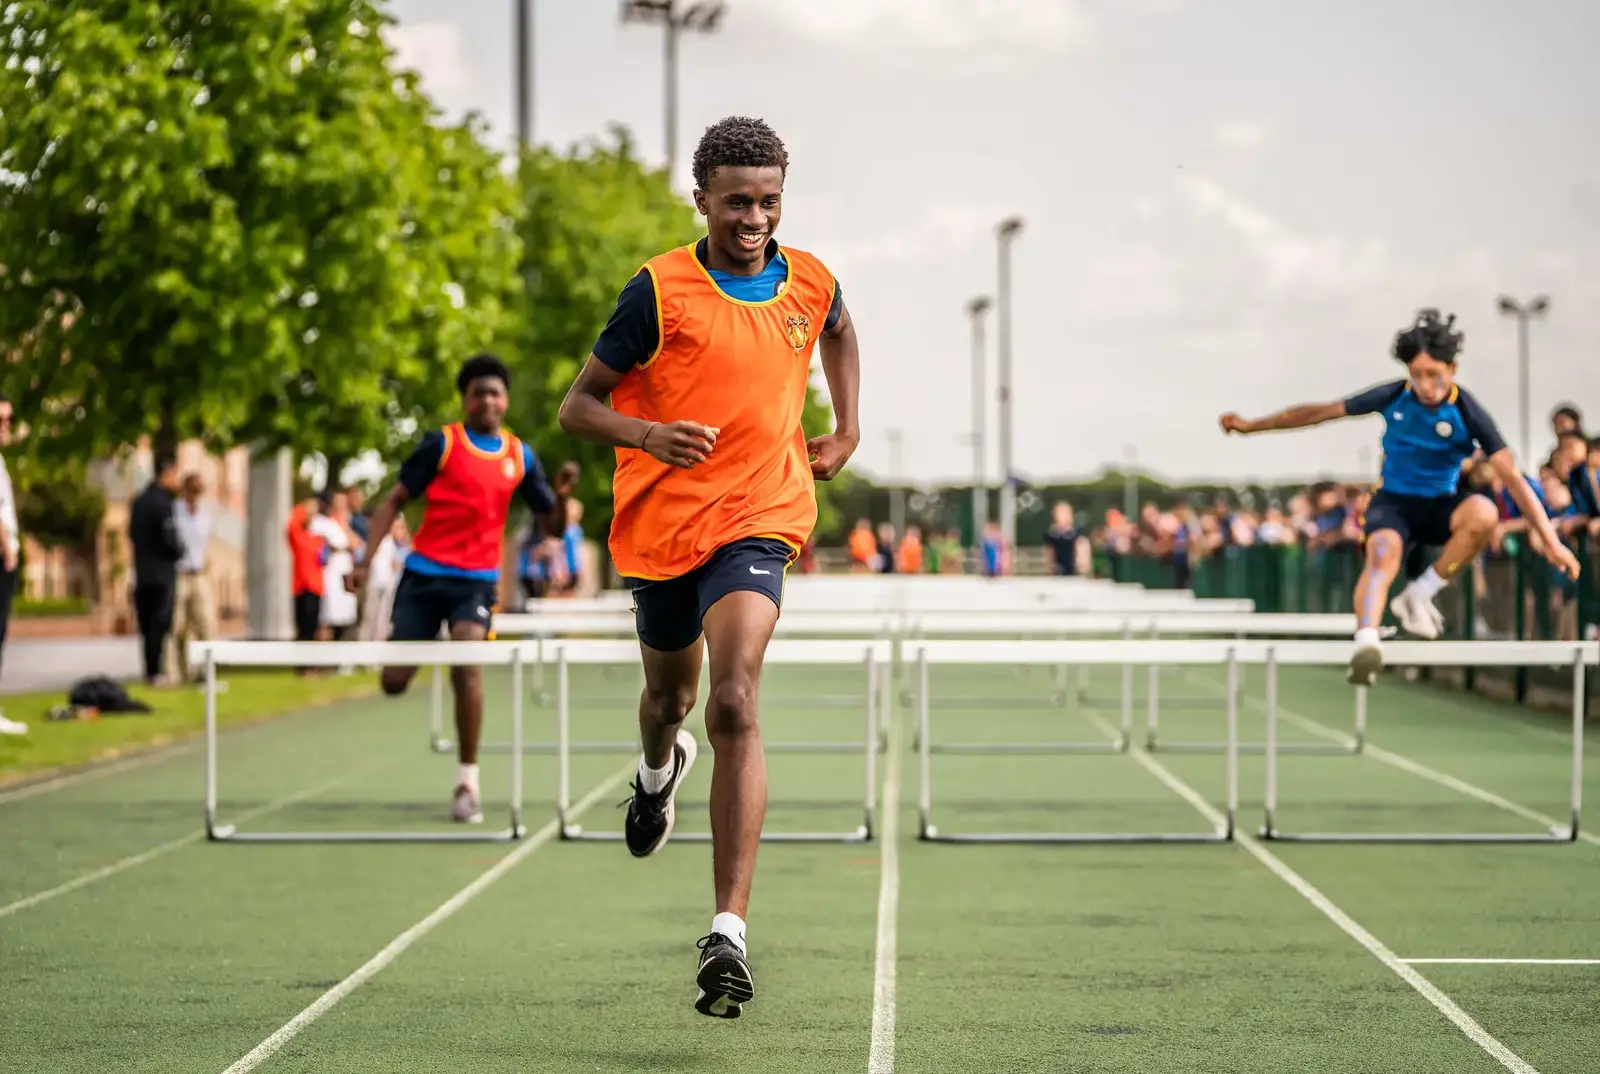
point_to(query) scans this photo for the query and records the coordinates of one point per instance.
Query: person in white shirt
(383, 574)
(194, 609)
(10, 551)
(339, 604)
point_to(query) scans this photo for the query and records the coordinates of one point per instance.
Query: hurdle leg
(212, 831)
(517, 830)
(1233, 744)
(872, 746)
(924, 753)
(1271, 746)
(563, 747)
(441, 742)
(1578, 686)
(1152, 700)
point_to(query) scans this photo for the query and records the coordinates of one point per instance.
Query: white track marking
(99, 771)
(880, 1060)
(1416, 768)
(1501, 961)
(193, 837)
(376, 964)
(1443, 1003)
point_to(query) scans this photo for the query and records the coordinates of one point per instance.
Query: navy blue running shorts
(1419, 520)
(668, 613)
(425, 602)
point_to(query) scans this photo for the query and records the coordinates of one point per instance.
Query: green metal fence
(1514, 594)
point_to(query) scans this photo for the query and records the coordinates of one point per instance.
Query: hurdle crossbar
(212, 654)
(1087, 653)
(874, 654)
(1576, 655)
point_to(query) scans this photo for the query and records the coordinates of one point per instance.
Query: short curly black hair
(737, 142)
(482, 365)
(1431, 336)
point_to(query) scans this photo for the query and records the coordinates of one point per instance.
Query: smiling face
(742, 206)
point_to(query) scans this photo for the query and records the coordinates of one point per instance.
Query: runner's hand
(684, 444)
(1561, 557)
(566, 479)
(1233, 423)
(829, 453)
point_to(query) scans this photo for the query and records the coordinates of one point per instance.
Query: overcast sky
(1230, 204)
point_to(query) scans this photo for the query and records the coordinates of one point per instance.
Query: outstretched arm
(1295, 417)
(841, 365)
(586, 415)
(1505, 465)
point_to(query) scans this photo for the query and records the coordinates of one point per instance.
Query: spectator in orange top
(909, 560)
(863, 547)
(305, 558)
(705, 362)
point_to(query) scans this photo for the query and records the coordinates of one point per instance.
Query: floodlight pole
(1524, 313)
(700, 18)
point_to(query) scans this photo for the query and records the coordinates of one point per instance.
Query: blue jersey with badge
(1424, 447)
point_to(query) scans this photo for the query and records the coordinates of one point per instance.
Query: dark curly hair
(482, 365)
(1431, 336)
(737, 142)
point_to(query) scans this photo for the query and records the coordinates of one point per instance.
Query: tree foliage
(235, 222)
(57, 504)
(592, 216)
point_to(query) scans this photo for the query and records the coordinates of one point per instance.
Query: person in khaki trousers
(194, 611)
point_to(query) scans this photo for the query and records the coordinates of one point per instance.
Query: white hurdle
(286, 654)
(873, 655)
(1571, 654)
(924, 653)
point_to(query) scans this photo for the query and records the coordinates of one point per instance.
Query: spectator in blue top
(1431, 427)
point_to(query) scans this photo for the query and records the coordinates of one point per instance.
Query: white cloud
(937, 26)
(1241, 134)
(1147, 209)
(437, 52)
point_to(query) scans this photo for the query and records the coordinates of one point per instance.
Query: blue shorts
(668, 613)
(425, 602)
(1419, 520)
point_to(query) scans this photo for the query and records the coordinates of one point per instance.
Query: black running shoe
(651, 816)
(726, 984)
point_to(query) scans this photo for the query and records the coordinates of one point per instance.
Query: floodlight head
(1539, 305)
(1509, 306)
(1009, 226)
(703, 17)
(978, 306)
(646, 10)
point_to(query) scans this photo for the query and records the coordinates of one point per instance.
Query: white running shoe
(12, 727)
(1365, 663)
(1418, 617)
(464, 809)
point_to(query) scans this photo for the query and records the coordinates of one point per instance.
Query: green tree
(235, 222)
(592, 216)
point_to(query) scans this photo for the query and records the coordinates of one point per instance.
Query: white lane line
(1429, 991)
(193, 837)
(1501, 961)
(880, 1059)
(1417, 768)
(376, 964)
(99, 771)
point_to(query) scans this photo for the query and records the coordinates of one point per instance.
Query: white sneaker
(12, 727)
(1418, 617)
(464, 808)
(1365, 663)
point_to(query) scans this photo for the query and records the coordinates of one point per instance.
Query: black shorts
(667, 614)
(425, 602)
(1419, 520)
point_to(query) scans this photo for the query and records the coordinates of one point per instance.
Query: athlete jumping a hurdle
(469, 472)
(706, 361)
(1432, 427)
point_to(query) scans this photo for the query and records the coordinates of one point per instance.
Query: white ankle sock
(1367, 638)
(468, 777)
(1429, 584)
(655, 780)
(731, 926)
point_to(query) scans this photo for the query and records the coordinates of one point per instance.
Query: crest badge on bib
(1443, 428)
(799, 327)
(510, 469)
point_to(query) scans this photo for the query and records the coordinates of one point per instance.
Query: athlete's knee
(1478, 515)
(1383, 550)
(394, 681)
(670, 704)
(466, 678)
(731, 709)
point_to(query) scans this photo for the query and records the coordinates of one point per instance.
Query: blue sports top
(1424, 447)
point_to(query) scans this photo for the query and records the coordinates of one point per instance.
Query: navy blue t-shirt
(633, 334)
(418, 472)
(1424, 447)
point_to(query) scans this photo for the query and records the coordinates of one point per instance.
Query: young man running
(469, 472)
(1432, 426)
(706, 361)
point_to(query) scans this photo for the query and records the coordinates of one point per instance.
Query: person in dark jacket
(153, 532)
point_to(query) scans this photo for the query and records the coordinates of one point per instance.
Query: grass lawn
(176, 713)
